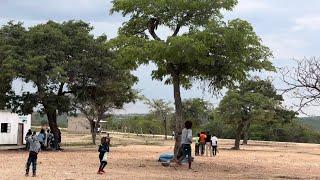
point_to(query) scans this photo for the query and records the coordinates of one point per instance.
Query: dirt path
(259, 160)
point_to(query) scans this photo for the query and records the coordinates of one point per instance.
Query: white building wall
(13, 120)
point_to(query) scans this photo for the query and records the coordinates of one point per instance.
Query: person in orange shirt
(202, 140)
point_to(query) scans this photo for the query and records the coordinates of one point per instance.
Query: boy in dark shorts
(34, 149)
(103, 150)
(186, 140)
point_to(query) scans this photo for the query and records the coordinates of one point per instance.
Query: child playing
(34, 148)
(103, 149)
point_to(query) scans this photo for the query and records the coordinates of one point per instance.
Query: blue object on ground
(168, 156)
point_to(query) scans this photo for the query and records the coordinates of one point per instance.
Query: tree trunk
(52, 120)
(238, 136)
(178, 115)
(165, 129)
(93, 131)
(246, 134)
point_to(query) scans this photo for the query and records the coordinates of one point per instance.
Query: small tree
(253, 100)
(162, 110)
(211, 50)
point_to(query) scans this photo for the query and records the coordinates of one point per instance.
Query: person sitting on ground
(33, 154)
(29, 133)
(103, 154)
(214, 143)
(208, 144)
(186, 140)
(202, 140)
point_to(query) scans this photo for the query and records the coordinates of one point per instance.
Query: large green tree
(101, 85)
(44, 56)
(253, 100)
(201, 45)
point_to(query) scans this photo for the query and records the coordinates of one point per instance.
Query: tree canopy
(209, 49)
(254, 100)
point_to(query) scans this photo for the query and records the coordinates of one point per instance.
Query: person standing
(214, 143)
(49, 139)
(202, 142)
(208, 144)
(197, 144)
(29, 133)
(103, 154)
(42, 138)
(186, 141)
(34, 149)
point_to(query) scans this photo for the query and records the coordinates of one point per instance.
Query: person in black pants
(103, 150)
(208, 144)
(34, 149)
(214, 143)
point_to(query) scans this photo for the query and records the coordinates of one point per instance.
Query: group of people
(36, 143)
(46, 139)
(205, 143)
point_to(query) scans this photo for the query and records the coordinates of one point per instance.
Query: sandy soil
(258, 160)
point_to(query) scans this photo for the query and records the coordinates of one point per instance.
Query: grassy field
(135, 157)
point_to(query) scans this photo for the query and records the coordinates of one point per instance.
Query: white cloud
(285, 46)
(246, 6)
(307, 23)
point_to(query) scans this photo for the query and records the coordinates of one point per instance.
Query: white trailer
(13, 128)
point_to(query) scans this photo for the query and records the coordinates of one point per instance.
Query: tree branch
(152, 26)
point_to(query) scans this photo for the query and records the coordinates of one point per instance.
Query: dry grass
(136, 160)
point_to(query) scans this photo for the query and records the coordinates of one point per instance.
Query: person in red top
(202, 140)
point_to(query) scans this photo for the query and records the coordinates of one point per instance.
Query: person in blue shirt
(42, 138)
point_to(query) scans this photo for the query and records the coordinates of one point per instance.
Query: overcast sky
(291, 28)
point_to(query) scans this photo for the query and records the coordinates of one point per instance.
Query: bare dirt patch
(138, 160)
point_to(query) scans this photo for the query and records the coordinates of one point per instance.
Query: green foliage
(211, 50)
(253, 100)
(44, 55)
(197, 111)
(101, 84)
(159, 108)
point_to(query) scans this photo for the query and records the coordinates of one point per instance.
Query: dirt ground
(133, 157)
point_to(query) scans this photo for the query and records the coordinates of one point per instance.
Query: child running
(103, 149)
(34, 148)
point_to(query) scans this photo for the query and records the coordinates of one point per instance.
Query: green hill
(313, 122)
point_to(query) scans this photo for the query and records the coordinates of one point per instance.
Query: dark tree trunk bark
(178, 115)
(246, 134)
(238, 136)
(93, 128)
(165, 129)
(52, 120)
